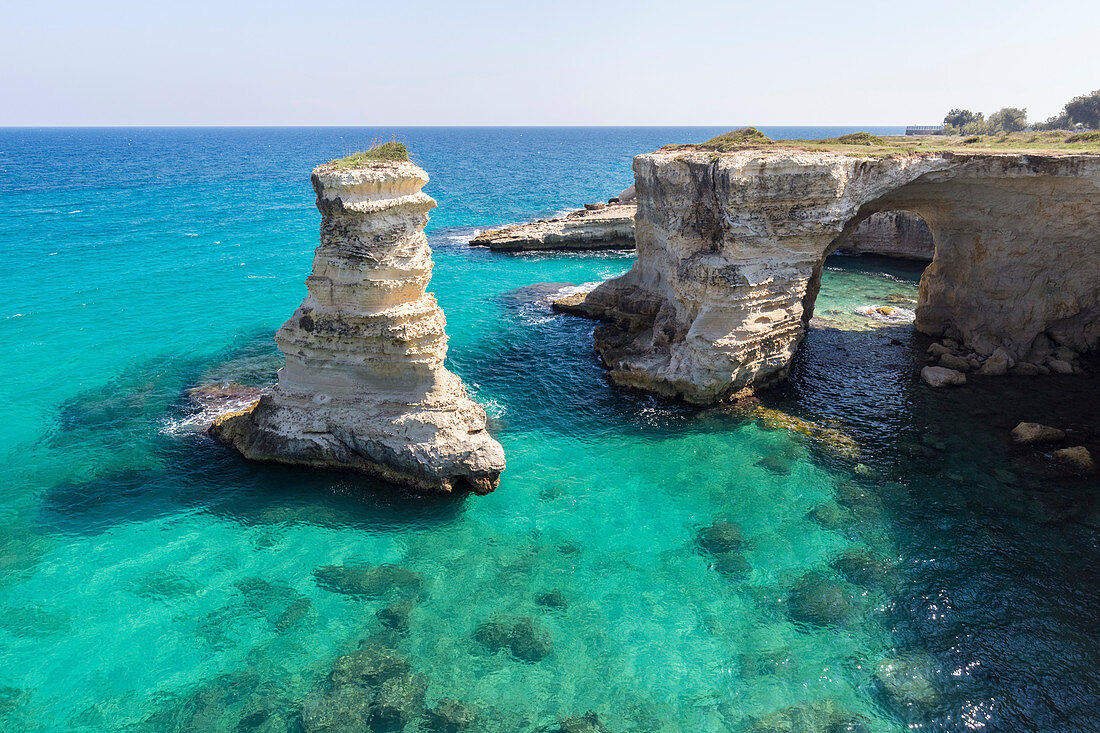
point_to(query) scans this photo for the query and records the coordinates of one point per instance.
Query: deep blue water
(152, 580)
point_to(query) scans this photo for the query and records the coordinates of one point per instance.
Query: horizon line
(276, 126)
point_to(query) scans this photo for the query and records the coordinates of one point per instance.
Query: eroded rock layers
(731, 246)
(607, 227)
(892, 234)
(364, 386)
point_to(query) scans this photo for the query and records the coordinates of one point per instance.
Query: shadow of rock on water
(211, 478)
(149, 392)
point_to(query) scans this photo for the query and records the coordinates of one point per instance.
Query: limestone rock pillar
(364, 386)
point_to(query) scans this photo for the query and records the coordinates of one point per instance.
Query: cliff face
(731, 246)
(364, 386)
(893, 234)
(610, 227)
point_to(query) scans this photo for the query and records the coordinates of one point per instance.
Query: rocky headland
(731, 246)
(596, 226)
(364, 386)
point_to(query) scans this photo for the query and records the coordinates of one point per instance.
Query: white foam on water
(887, 313)
(204, 415)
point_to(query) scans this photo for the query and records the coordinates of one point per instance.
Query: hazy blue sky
(477, 62)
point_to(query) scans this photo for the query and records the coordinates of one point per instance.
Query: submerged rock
(397, 614)
(364, 386)
(864, 567)
(819, 716)
(831, 439)
(524, 637)
(907, 682)
(530, 642)
(400, 698)
(368, 666)
(720, 537)
(863, 503)
(370, 581)
(343, 709)
(766, 663)
(294, 613)
(779, 465)
(821, 601)
(587, 723)
(732, 564)
(832, 517)
(451, 716)
(552, 599)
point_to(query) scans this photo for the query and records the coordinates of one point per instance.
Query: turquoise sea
(151, 580)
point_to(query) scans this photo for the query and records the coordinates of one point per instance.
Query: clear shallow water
(151, 580)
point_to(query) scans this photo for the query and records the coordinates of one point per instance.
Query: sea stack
(364, 386)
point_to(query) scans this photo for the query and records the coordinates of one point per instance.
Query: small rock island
(364, 386)
(596, 226)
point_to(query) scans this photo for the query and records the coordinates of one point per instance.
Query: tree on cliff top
(1007, 119)
(1085, 110)
(961, 117)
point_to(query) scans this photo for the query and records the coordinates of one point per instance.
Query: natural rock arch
(730, 248)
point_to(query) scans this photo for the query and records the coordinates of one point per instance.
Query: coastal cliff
(731, 247)
(364, 386)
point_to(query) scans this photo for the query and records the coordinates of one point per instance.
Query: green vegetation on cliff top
(865, 144)
(388, 152)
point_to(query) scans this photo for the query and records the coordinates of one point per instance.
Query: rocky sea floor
(857, 552)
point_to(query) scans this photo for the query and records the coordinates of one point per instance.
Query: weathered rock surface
(1032, 432)
(939, 376)
(731, 247)
(608, 227)
(364, 386)
(893, 234)
(1078, 458)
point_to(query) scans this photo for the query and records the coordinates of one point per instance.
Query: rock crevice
(364, 386)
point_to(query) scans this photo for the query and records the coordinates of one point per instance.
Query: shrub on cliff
(1093, 136)
(860, 138)
(746, 137)
(391, 151)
